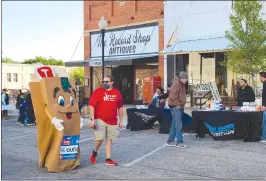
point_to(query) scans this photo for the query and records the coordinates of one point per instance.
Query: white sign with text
(126, 42)
(209, 86)
(97, 63)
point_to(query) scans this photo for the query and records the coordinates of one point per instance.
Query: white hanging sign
(126, 42)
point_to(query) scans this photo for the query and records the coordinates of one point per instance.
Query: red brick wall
(161, 58)
(120, 13)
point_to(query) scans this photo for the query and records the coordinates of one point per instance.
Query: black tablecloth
(143, 119)
(229, 125)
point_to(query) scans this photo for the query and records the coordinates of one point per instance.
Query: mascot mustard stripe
(65, 84)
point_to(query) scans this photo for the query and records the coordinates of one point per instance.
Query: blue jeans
(263, 137)
(176, 127)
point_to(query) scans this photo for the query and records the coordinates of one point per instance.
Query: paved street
(141, 155)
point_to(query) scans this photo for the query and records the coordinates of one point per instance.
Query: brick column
(161, 57)
(87, 92)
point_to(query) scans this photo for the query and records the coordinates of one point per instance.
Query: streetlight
(102, 25)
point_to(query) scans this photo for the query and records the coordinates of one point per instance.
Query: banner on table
(221, 130)
(145, 118)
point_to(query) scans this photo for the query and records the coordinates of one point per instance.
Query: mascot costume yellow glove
(57, 119)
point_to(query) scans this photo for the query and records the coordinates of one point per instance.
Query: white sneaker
(263, 141)
(181, 145)
(170, 144)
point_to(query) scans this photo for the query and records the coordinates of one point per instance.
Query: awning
(218, 44)
(116, 60)
(200, 45)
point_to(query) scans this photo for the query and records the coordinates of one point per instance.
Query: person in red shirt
(104, 104)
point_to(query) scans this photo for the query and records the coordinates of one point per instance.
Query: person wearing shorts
(104, 104)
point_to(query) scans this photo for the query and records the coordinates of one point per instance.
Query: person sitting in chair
(160, 99)
(167, 95)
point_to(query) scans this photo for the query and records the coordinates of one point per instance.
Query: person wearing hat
(245, 93)
(176, 103)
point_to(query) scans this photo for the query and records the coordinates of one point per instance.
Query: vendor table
(143, 119)
(229, 125)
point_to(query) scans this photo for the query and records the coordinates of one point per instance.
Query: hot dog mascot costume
(57, 119)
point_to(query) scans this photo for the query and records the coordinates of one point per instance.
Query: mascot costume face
(57, 119)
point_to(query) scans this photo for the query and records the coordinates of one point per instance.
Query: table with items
(144, 118)
(4, 111)
(240, 123)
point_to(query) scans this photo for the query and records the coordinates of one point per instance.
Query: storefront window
(141, 72)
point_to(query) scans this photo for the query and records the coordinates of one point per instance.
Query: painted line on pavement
(144, 156)
(93, 137)
(19, 137)
(86, 139)
(148, 154)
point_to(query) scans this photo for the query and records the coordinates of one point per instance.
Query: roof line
(201, 39)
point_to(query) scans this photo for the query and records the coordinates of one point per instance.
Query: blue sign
(69, 147)
(222, 130)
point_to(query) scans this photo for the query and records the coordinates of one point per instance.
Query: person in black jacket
(22, 110)
(245, 93)
(19, 99)
(30, 111)
(5, 101)
(263, 80)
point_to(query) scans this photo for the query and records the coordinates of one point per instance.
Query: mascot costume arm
(56, 122)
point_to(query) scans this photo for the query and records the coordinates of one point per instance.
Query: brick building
(133, 38)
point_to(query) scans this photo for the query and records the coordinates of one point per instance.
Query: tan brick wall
(119, 14)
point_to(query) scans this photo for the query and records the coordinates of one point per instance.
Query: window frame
(15, 77)
(9, 77)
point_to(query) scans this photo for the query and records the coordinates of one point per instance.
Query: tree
(78, 75)
(8, 60)
(44, 61)
(247, 37)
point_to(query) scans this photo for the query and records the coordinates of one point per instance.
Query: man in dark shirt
(263, 80)
(245, 93)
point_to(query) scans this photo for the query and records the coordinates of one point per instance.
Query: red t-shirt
(105, 104)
